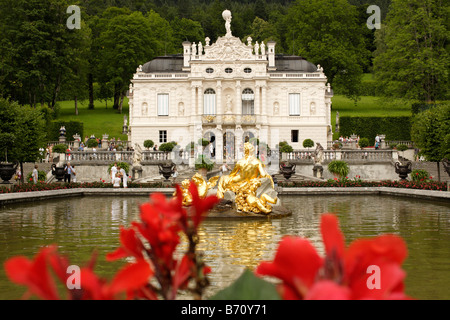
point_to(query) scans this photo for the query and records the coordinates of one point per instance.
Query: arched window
(209, 102)
(248, 101)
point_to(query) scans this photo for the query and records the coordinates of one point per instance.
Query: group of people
(69, 173)
(118, 175)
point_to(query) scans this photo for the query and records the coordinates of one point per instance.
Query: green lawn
(98, 121)
(369, 106)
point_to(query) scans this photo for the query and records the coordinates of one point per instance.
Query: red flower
(34, 273)
(343, 273)
(200, 206)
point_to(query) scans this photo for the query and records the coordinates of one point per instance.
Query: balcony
(238, 119)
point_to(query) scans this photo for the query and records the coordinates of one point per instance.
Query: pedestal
(318, 171)
(137, 172)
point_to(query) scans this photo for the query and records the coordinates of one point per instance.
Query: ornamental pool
(80, 225)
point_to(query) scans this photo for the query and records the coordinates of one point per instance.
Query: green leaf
(248, 287)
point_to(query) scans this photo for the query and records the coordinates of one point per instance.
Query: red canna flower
(200, 206)
(343, 273)
(34, 274)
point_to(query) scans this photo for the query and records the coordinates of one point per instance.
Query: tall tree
(39, 49)
(412, 58)
(126, 42)
(327, 32)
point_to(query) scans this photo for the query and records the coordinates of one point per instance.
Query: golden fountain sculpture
(243, 181)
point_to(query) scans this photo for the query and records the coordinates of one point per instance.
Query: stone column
(219, 110)
(238, 101)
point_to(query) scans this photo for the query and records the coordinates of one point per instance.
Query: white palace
(227, 92)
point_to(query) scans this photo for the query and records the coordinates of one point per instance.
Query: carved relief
(228, 48)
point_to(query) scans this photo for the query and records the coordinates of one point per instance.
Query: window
(294, 104)
(248, 70)
(209, 102)
(248, 101)
(228, 70)
(162, 136)
(163, 104)
(209, 70)
(294, 135)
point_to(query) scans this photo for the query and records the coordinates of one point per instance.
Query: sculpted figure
(202, 185)
(137, 156)
(318, 154)
(247, 201)
(244, 172)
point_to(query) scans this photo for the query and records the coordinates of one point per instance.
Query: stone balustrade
(306, 156)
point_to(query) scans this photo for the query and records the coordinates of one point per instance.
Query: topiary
(92, 143)
(308, 143)
(402, 147)
(60, 148)
(363, 142)
(148, 144)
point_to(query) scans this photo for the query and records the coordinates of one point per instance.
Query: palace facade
(227, 92)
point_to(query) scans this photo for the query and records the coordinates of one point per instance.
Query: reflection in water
(80, 225)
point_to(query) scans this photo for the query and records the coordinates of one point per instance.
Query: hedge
(72, 127)
(395, 128)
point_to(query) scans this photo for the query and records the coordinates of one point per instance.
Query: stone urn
(58, 172)
(166, 169)
(287, 169)
(7, 170)
(403, 170)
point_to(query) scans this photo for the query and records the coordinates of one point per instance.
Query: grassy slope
(98, 121)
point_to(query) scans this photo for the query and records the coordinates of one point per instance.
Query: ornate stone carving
(228, 48)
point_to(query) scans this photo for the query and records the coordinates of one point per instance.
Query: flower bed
(345, 183)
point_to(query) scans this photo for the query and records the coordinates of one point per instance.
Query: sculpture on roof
(227, 17)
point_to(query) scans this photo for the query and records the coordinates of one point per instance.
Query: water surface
(80, 225)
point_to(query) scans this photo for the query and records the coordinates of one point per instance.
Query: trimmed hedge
(72, 127)
(395, 128)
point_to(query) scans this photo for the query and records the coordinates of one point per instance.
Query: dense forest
(42, 61)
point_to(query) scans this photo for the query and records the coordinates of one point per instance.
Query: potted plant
(203, 164)
(338, 168)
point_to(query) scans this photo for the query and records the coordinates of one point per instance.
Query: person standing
(124, 177)
(113, 172)
(35, 174)
(377, 142)
(67, 172)
(74, 175)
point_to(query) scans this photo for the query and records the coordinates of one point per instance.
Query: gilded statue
(202, 186)
(245, 171)
(247, 201)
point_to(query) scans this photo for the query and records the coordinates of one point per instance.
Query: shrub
(148, 144)
(92, 143)
(402, 147)
(60, 148)
(285, 147)
(203, 142)
(308, 143)
(363, 142)
(72, 127)
(203, 162)
(42, 176)
(168, 146)
(338, 167)
(420, 175)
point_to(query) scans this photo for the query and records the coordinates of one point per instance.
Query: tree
(328, 33)
(412, 58)
(308, 143)
(36, 49)
(26, 126)
(430, 132)
(125, 43)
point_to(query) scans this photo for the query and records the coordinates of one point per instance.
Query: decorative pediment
(228, 49)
